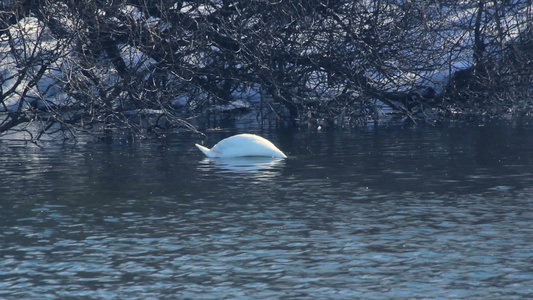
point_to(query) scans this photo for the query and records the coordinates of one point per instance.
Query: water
(404, 213)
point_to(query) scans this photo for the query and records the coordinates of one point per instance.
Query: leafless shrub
(152, 66)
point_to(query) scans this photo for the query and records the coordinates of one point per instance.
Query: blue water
(373, 213)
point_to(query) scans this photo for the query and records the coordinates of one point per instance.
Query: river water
(373, 213)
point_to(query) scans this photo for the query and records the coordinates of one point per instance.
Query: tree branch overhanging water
(157, 67)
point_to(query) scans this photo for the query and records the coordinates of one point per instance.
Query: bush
(155, 66)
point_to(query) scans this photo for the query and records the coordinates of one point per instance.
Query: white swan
(243, 145)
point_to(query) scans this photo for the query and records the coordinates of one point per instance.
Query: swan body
(243, 145)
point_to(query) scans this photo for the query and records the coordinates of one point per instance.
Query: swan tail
(205, 150)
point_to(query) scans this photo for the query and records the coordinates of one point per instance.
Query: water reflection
(242, 164)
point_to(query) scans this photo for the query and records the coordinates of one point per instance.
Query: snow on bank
(28, 51)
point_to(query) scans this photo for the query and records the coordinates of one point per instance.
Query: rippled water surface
(398, 212)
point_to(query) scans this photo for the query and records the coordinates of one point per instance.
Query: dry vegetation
(154, 66)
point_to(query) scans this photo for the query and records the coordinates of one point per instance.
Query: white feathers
(243, 145)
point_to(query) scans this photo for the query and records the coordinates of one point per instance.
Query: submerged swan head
(243, 145)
